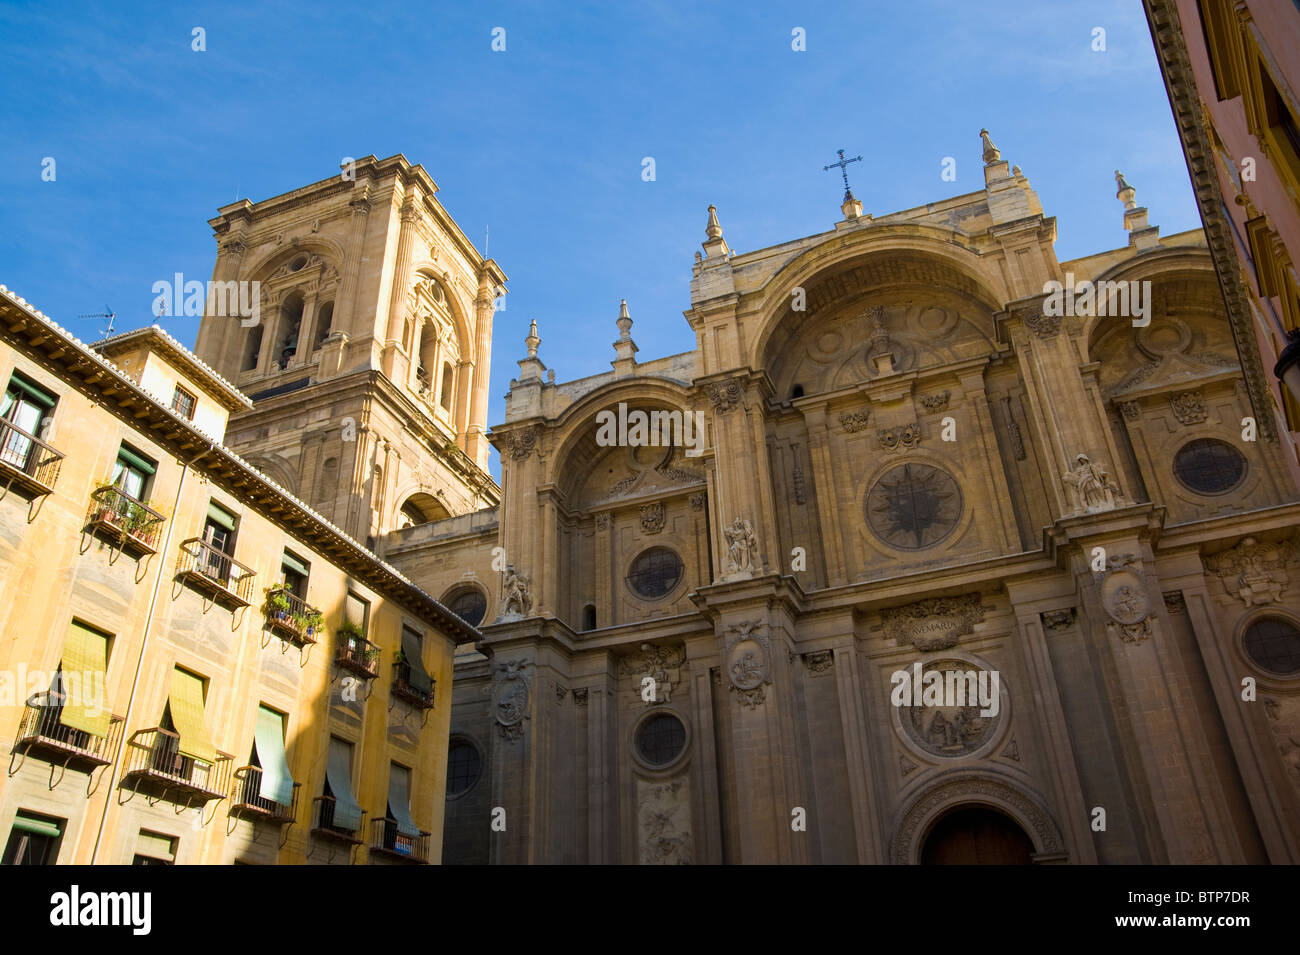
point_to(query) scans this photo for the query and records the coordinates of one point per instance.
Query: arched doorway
(976, 835)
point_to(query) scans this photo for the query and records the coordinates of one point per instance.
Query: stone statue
(741, 547)
(517, 600)
(1090, 486)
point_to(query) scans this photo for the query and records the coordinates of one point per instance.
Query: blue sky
(543, 143)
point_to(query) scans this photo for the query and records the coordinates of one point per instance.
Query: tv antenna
(109, 314)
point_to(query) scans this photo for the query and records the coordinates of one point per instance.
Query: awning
(186, 701)
(399, 799)
(293, 563)
(268, 737)
(136, 460)
(37, 396)
(220, 516)
(85, 660)
(414, 660)
(338, 770)
(37, 826)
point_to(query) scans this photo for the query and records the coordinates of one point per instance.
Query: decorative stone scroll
(935, 623)
(748, 653)
(521, 443)
(900, 438)
(653, 517)
(725, 395)
(510, 699)
(1189, 407)
(854, 421)
(1253, 572)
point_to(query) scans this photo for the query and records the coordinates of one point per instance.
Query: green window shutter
(186, 701)
(418, 678)
(268, 736)
(33, 393)
(399, 799)
(338, 770)
(290, 562)
(220, 516)
(136, 460)
(85, 661)
(37, 826)
(155, 846)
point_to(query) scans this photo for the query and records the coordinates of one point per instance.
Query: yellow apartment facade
(195, 667)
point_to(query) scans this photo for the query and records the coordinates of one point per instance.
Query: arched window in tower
(589, 617)
(324, 318)
(428, 357)
(448, 379)
(290, 324)
(252, 348)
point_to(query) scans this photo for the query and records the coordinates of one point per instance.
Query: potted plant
(350, 634)
(277, 604)
(312, 621)
(372, 655)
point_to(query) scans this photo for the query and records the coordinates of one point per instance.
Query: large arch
(875, 258)
(980, 788)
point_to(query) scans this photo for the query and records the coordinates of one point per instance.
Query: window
(463, 767)
(274, 782)
(1209, 466)
(468, 603)
(132, 472)
(24, 406)
(219, 538)
(183, 403)
(661, 739)
(913, 506)
(339, 810)
(81, 682)
(324, 319)
(411, 682)
(294, 572)
(33, 840)
(356, 611)
(290, 323)
(589, 617)
(253, 348)
(184, 713)
(1273, 644)
(655, 572)
(796, 392)
(1283, 128)
(448, 378)
(154, 848)
(401, 833)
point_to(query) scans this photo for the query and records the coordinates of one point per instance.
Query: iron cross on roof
(843, 171)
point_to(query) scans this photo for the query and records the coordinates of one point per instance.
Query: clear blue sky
(544, 142)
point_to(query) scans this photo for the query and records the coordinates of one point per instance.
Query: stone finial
(1125, 193)
(713, 229)
(991, 152)
(532, 341)
(624, 349)
(715, 245)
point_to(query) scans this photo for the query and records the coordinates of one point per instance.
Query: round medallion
(913, 506)
(958, 711)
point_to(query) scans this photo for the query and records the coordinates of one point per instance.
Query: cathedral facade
(716, 590)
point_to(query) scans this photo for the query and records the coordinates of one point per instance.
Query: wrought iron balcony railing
(403, 690)
(358, 655)
(132, 523)
(215, 572)
(291, 616)
(153, 758)
(248, 802)
(322, 822)
(386, 841)
(43, 733)
(28, 461)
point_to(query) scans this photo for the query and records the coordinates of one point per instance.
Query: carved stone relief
(653, 517)
(1253, 572)
(951, 731)
(664, 822)
(748, 652)
(510, 698)
(935, 623)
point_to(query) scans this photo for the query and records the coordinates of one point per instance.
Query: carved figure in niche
(1090, 486)
(741, 547)
(517, 599)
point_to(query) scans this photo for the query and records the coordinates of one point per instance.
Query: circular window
(655, 572)
(463, 767)
(661, 739)
(1208, 466)
(1273, 644)
(468, 604)
(913, 506)
(298, 263)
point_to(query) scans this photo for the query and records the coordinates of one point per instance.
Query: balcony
(292, 617)
(247, 801)
(215, 573)
(117, 515)
(155, 763)
(27, 461)
(357, 654)
(322, 823)
(41, 732)
(403, 690)
(386, 841)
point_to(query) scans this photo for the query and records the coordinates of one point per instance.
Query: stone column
(476, 443)
(397, 363)
(345, 306)
(740, 453)
(221, 338)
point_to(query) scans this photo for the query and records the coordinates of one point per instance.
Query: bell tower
(367, 350)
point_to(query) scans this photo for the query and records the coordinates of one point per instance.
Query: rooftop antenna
(109, 314)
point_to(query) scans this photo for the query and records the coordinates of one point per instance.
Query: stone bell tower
(368, 357)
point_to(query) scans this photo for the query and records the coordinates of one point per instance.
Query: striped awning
(82, 679)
